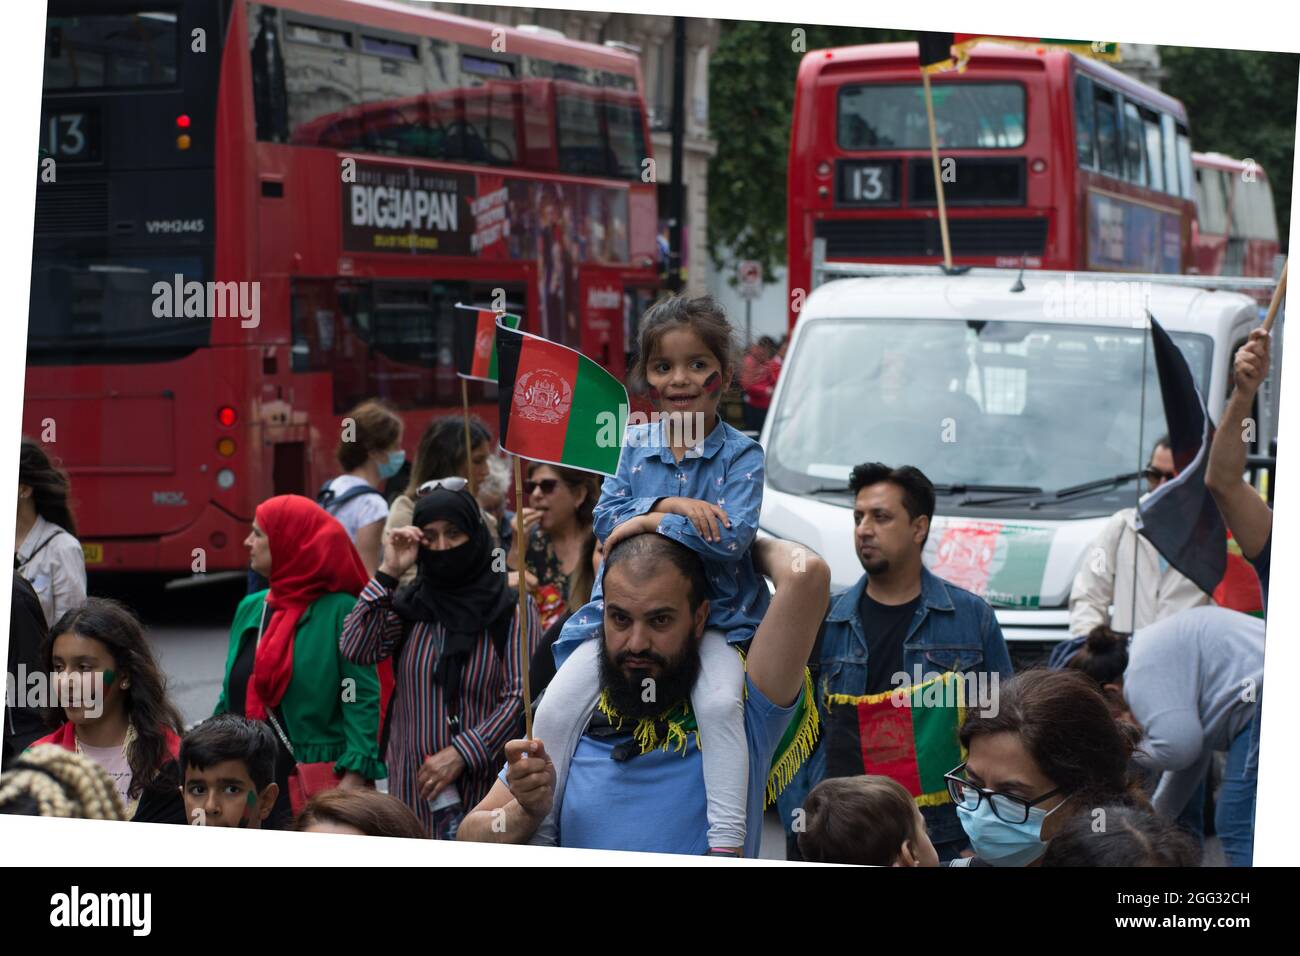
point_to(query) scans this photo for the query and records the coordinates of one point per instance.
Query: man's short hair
(1161, 442)
(652, 550)
(918, 492)
(231, 737)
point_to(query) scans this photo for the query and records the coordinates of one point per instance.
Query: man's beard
(631, 697)
(878, 565)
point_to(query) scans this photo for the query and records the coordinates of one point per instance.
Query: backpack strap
(22, 562)
(332, 502)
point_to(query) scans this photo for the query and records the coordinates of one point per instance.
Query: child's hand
(701, 514)
(641, 524)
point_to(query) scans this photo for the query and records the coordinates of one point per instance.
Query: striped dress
(491, 697)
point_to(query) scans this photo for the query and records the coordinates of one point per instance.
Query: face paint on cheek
(110, 677)
(713, 383)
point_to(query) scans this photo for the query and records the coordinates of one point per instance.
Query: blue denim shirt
(952, 630)
(728, 471)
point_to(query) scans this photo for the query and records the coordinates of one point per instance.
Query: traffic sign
(749, 278)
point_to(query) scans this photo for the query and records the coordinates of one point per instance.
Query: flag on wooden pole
(475, 346)
(557, 406)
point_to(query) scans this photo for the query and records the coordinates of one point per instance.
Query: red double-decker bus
(265, 213)
(1236, 224)
(1049, 159)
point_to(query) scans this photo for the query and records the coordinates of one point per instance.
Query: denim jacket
(953, 630)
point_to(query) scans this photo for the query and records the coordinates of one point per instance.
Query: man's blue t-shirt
(655, 802)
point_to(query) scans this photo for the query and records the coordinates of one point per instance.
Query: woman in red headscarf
(284, 664)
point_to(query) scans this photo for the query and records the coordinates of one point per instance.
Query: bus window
(1155, 152)
(1252, 210)
(1083, 121)
(388, 340)
(1185, 162)
(1108, 151)
(102, 50)
(626, 139)
(582, 148)
(1135, 167)
(323, 79)
(1170, 155)
(1211, 202)
(391, 76)
(966, 116)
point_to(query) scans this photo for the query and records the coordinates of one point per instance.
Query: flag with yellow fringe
(908, 734)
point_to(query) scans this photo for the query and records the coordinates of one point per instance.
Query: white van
(1031, 411)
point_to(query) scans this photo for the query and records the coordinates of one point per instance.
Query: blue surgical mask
(396, 459)
(1005, 844)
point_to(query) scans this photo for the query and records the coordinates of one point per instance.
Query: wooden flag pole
(1278, 295)
(469, 448)
(938, 179)
(523, 599)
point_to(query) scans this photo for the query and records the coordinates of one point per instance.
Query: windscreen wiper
(829, 490)
(1097, 485)
(1014, 493)
(960, 488)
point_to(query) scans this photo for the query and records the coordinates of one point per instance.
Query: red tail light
(226, 415)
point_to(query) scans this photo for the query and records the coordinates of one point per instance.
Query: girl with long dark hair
(119, 715)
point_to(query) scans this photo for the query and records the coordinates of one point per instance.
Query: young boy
(228, 764)
(868, 821)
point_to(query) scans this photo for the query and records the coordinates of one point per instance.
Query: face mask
(1005, 844)
(396, 459)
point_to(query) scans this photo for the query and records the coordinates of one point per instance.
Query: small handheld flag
(557, 406)
(476, 354)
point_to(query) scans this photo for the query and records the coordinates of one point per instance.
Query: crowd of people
(374, 681)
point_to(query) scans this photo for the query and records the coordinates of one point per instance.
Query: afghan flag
(558, 406)
(476, 354)
(908, 734)
(950, 51)
(1180, 517)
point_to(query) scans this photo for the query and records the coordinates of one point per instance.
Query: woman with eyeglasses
(441, 454)
(1051, 751)
(557, 521)
(453, 636)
